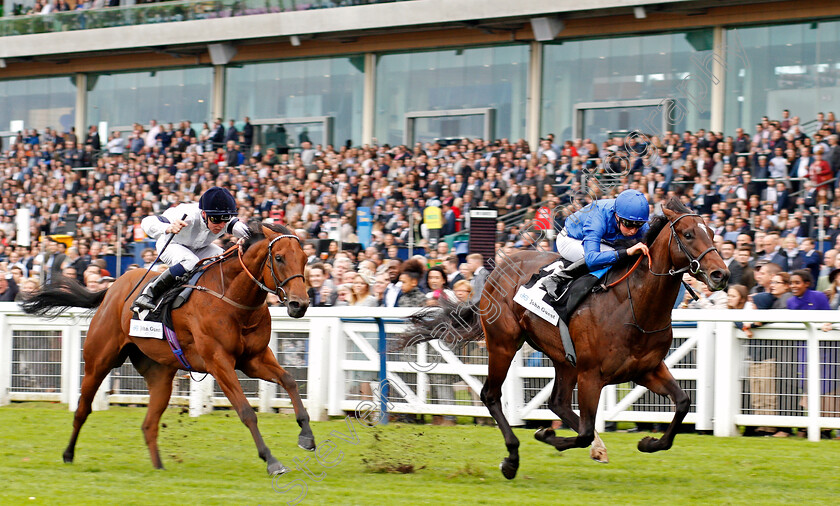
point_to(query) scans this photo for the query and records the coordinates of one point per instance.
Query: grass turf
(212, 460)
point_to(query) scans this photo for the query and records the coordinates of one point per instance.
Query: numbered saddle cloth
(532, 295)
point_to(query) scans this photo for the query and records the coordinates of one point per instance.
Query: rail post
(383, 372)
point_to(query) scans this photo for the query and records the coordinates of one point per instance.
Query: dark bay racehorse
(620, 335)
(219, 333)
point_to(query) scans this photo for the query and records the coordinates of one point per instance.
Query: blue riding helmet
(632, 205)
(217, 202)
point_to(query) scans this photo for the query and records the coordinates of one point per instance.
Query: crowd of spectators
(393, 282)
(763, 194)
(50, 6)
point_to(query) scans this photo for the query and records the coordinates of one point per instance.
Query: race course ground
(212, 460)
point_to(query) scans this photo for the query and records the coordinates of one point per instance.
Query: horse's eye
(278, 259)
(687, 235)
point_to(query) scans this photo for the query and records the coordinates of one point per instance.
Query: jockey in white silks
(195, 227)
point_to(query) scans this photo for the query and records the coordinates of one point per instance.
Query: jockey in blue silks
(589, 237)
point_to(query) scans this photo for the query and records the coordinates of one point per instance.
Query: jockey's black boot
(153, 290)
(555, 283)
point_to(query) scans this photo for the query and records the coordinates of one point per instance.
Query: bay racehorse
(620, 335)
(224, 326)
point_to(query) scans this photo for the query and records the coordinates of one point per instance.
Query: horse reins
(693, 267)
(278, 291)
(630, 271)
(693, 263)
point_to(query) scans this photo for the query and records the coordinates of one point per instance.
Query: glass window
(772, 68)
(469, 78)
(137, 97)
(39, 103)
(649, 67)
(297, 90)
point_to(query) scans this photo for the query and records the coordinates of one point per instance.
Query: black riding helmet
(217, 201)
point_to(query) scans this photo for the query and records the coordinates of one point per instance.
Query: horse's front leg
(266, 367)
(661, 381)
(221, 366)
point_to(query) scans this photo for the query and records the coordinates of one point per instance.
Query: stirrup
(553, 284)
(142, 305)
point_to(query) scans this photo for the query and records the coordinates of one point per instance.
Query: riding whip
(183, 218)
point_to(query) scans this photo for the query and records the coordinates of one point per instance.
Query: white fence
(334, 355)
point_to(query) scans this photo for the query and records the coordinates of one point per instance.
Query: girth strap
(224, 298)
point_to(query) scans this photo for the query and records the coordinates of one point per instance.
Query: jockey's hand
(637, 249)
(176, 226)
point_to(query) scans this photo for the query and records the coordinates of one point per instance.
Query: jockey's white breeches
(179, 254)
(572, 249)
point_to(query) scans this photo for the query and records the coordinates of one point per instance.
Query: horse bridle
(278, 291)
(693, 263)
(693, 267)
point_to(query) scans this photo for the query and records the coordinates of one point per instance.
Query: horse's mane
(659, 221)
(655, 226)
(257, 234)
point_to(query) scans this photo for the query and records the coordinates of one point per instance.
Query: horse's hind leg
(222, 369)
(265, 367)
(101, 355)
(159, 380)
(661, 381)
(589, 391)
(491, 395)
(560, 403)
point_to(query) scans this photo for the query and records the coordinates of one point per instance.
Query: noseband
(278, 291)
(693, 263)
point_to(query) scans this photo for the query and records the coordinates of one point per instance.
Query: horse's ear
(267, 231)
(669, 213)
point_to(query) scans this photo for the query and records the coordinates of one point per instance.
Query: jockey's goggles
(631, 223)
(219, 218)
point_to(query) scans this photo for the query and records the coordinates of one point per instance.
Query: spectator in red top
(819, 171)
(569, 149)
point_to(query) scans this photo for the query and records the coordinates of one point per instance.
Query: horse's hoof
(509, 468)
(307, 443)
(648, 444)
(68, 459)
(543, 434)
(599, 455)
(277, 468)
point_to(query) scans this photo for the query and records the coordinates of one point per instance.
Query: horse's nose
(297, 308)
(719, 278)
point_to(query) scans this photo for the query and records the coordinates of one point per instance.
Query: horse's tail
(58, 296)
(452, 323)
